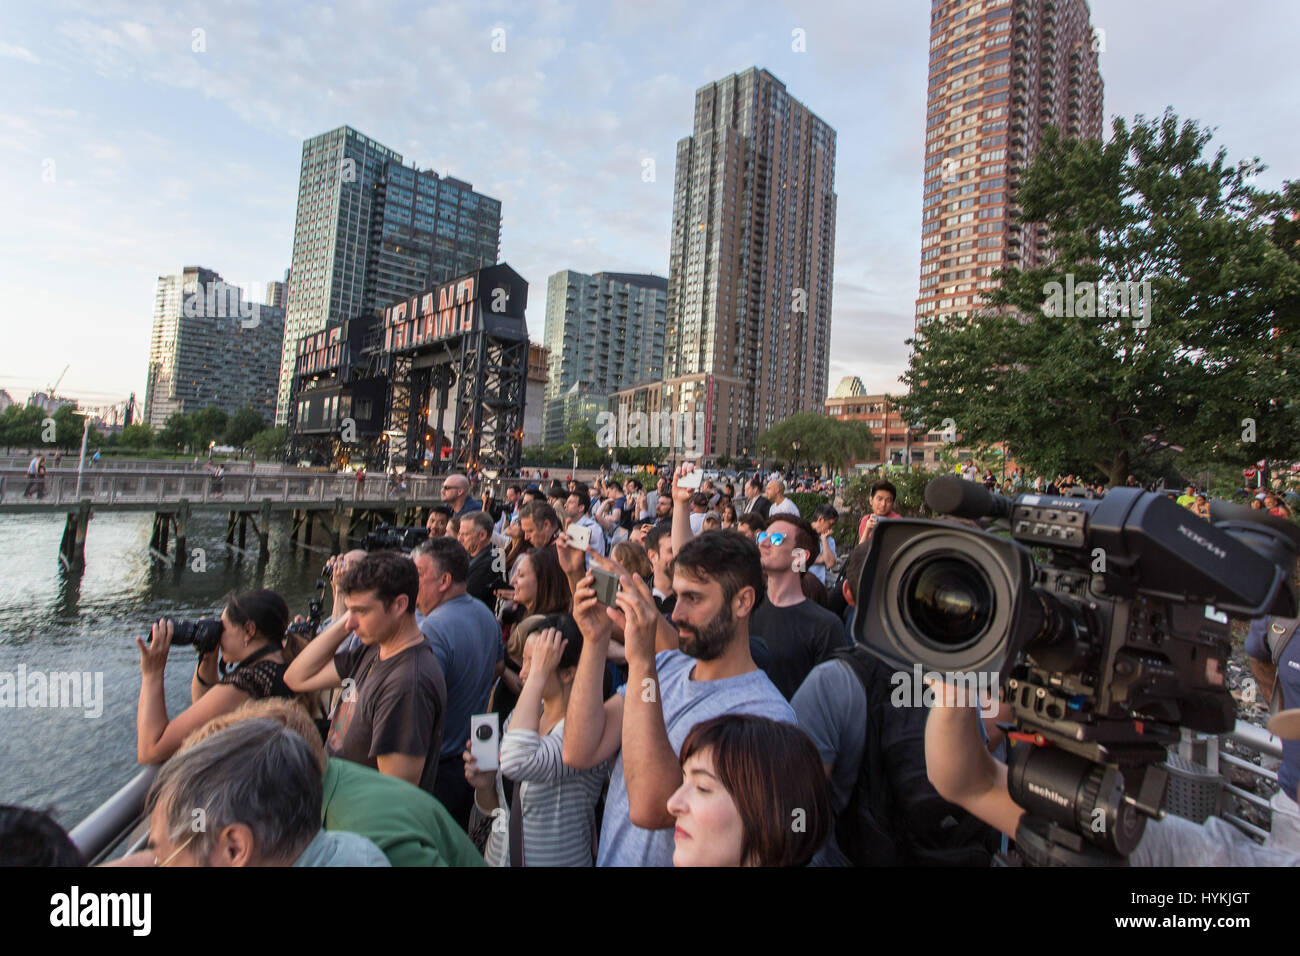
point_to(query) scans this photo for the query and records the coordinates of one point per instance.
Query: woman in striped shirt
(551, 818)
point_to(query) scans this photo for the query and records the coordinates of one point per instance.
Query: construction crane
(58, 381)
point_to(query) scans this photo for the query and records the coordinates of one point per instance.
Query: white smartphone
(485, 740)
(693, 480)
(579, 536)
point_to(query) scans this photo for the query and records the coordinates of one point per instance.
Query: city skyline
(157, 154)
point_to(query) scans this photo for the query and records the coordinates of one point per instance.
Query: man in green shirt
(1188, 497)
(409, 825)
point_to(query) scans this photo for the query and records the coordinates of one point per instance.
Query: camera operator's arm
(593, 726)
(313, 668)
(651, 769)
(157, 738)
(963, 771)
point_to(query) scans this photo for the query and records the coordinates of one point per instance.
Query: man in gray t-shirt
(718, 579)
(686, 702)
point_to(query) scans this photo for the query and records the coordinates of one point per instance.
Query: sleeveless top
(264, 678)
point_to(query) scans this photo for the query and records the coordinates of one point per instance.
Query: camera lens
(948, 602)
(484, 732)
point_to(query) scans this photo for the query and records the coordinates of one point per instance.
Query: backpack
(894, 816)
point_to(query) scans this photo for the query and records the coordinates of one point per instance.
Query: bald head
(455, 489)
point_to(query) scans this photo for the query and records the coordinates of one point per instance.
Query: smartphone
(579, 536)
(606, 586)
(485, 740)
(693, 480)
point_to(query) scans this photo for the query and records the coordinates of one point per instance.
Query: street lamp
(795, 466)
(575, 461)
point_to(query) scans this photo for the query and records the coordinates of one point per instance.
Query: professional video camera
(204, 633)
(1104, 647)
(389, 537)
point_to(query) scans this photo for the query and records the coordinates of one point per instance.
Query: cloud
(12, 52)
(167, 155)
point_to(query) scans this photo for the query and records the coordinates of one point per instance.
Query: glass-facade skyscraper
(370, 231)
(604, 332)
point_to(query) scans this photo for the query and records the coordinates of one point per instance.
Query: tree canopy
(1166, 316)
(823, 440)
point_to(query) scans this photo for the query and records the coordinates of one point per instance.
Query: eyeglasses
(776, 538)
(176, 853)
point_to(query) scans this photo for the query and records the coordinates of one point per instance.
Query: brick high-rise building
(1001, 71)
(753, 251)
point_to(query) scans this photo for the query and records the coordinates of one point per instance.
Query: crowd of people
(711, 709)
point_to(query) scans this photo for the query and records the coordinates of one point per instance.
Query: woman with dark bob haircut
(254, 636)
(754, 793)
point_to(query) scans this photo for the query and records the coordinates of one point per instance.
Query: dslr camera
(1104, 622)
(204, 634)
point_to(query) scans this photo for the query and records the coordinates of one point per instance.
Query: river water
(69, 759)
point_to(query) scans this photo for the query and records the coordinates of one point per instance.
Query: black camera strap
(258, 655)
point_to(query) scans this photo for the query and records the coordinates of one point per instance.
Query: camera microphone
(960, 498)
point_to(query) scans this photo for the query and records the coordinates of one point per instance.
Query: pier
(333, 504)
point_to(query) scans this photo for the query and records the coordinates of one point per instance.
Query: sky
(140, 137)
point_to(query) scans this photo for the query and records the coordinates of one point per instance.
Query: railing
(106, 489)
(1264, 743)
(115, 819)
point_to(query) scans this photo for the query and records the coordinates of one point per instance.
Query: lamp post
(575, 461)
(795, 465)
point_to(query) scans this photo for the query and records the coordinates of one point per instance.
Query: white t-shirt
(786, 507)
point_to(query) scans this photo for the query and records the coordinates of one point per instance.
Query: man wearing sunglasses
(799, 633)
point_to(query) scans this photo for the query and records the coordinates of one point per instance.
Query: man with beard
(718, 579)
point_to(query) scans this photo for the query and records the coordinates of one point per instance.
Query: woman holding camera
(538, 586)
(746, 782)
(552, 815)
(253, 636)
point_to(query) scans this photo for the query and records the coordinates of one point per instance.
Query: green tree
(136, 437)
(208, 426)
(268, 444)
(21, 425)
(243, 425)
(1203, 359)
(822, 440)
(176, 432)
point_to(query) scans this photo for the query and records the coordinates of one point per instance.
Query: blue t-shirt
(466, 640)
(685, 703)
(1288, 677)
